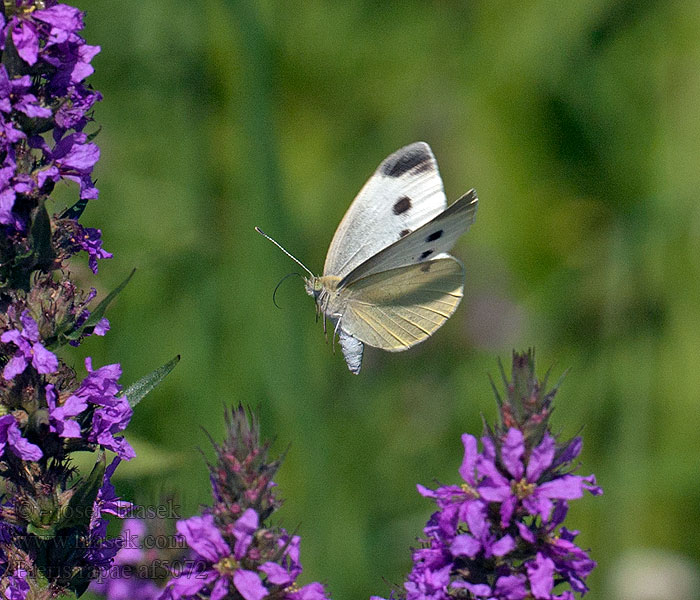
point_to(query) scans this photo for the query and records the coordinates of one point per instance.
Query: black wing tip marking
(434, 236)
(415, 158)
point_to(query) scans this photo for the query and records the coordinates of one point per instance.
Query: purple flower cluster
(42, 89)
(52, 521)
(29, 349)
(498, 535)
(110, 412)
(261, 563)
(235, 553)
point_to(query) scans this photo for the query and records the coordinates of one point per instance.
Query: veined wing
(404, 193)
(397, 309)
(424, 244)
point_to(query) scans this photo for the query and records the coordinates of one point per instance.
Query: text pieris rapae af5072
(388, 281)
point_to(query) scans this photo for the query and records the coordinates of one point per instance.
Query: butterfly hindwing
(425, 243)
(396, 309)
(404, 193)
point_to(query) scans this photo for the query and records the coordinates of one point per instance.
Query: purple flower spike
(29, 350)
(236, 555)
(497, 535)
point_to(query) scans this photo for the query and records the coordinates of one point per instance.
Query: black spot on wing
(402, 205)
(425, 254)
(403, 161)
(404, 232)
(434, 236)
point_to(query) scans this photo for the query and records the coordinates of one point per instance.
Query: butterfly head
(313, 285)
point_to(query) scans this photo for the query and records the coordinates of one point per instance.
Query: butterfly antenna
(287, 276)
(294, 258)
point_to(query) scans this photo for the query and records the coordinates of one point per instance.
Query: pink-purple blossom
(510, 498)
(11, 436)
(30, 350)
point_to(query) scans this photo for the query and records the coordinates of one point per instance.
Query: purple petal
(249, 585)
(220, 589)
(312, 591)
(507, 509)
(538, 505)
(26, 42)
(243, 531)
(82, 157)
(511, 587)
(567, 487)
(7, 202)
(61, 16)
(503, 546)
(189, 584)
(487, 468)
(422, 490)
(44, 361)
(570, 452)
(276, 574)
(21, 447)
(480, 590)
(540, 459)
(204, 538)
(540, 572)
(29, 326)
(465, 545)
(476, 519)
(14, 336)
(16, 365)
(525, 533)
(493, 491)
(102, 327)
(469, 461)
(512, 452)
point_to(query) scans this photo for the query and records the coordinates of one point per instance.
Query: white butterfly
(388, 281)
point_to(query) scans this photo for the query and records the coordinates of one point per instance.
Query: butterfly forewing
(404, 193)
(396, 309)
(425, 243)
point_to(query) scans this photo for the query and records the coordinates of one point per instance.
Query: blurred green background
(577, 123)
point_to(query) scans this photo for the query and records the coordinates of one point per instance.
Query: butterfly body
(325, 293)
(388, 281)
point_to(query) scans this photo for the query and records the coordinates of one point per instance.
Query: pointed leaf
(99, 312)
(137, 391)
(41, 238)
(80, 505)
(75, 211)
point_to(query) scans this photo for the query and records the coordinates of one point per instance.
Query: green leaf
(76, 210)
(45, 532)
(137, 391)
(81, 503)
(41, 238)
(99, 312)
